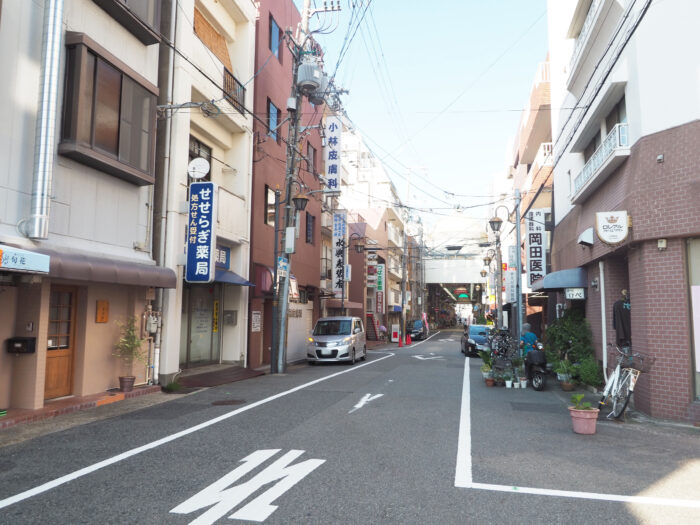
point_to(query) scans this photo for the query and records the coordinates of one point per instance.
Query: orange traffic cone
(400, 340)
(408, 339)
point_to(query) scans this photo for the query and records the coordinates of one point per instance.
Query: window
(592, 147)
(275, 38)
(109, 113)
(617, 115)
(269, 206)
(273, 117)
(310, 227)
(140, 17)
(310, 158)
(198, 149)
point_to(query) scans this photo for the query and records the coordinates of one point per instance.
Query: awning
(16, 260)
(571, 278)
(335, 303)
(229, 277)
(263, 278)
(79, 267)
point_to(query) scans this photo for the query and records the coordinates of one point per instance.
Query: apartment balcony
(607, 158)
(540, 167)
(232, 216)
(535, 125)
(394, 269)
(394, 235)
(327, 224)
(326, 273)
(585, 30)
(234, 92)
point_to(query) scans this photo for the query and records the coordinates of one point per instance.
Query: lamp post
(495, 224)
(358, 248)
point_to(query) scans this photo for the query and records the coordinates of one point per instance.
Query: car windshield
(417, 324)
(477, 330)
(333, 327)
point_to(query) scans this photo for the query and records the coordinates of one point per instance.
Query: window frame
(277, 53)
(310, 228)
(269, 218)
(310, 158)
(77, 84)
(127, 18)
(273, 132)
(200, 150)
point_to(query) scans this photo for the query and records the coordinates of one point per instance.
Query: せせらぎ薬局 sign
(611, 226)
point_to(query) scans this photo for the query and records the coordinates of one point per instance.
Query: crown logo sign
(612, 219)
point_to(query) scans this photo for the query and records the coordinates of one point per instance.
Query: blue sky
(437, 87)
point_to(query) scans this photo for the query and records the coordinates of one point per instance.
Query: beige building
(76, 190)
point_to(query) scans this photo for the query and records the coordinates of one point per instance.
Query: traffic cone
(408, 339)
(400, 339)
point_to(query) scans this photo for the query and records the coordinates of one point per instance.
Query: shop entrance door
(59, 356)
(200, 316)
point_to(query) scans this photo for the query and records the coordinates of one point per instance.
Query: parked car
(337, 339)
(418, 329)
(476, 339)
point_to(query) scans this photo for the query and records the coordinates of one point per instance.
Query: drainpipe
(601, 285)
(38, 222)
(166, 69)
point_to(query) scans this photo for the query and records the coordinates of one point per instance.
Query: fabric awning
(264, 276)
(229, 277)
(571, 278)
(66, 265)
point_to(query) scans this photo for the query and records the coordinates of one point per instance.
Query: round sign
(198, 168)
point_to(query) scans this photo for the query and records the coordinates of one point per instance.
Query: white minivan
(337, 339)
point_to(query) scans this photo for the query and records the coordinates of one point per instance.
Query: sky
(437, 89)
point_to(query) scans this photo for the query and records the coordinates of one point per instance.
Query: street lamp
(358, 248)
(495, 224)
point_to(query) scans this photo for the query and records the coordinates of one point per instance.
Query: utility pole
(499, 283)
(404, 260)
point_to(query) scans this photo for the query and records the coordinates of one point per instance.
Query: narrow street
(410, 436)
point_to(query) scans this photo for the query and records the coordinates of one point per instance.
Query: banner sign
(223, 257)
(371, 269)
(611, 226)
(331, 152)
(380, 288)
(340, 230)
(201, 233)
(511, 285)
(535, 237)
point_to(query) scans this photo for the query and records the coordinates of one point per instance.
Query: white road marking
(366, 399)
(423, 358)
(222, 498)
(424, 340)
(172, 437)
(464, 479)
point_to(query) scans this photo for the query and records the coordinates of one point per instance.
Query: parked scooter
(536, 366)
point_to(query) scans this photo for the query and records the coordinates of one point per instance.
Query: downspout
(38, 227)
(601, 268)
(166, 69)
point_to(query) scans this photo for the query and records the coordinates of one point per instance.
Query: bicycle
(620, 385)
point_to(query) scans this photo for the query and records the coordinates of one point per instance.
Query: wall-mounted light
(660, 158)
(661, 244)
(594, 283)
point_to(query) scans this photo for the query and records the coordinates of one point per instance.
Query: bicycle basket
(640, 362)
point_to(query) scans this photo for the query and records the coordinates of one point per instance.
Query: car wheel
(364, 356)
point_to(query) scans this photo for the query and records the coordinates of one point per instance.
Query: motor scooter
(536, 367)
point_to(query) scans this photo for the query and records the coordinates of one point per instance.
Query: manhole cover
(228, 402)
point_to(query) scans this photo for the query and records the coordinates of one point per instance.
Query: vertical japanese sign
(536, 247)
(331, 153)
(339, 242)
(380, 288)
(201, 233)
(511, 283)
(371, 269)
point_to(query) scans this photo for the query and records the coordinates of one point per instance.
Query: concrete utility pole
(404, 260)
(518, 267)
(499, 283)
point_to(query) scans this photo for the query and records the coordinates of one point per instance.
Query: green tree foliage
(569, 338)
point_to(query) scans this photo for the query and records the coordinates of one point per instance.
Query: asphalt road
(410, 436)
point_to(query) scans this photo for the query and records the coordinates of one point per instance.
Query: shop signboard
(612, 227)
(339, 243)
(511, 283)
(201, 233)
(331, 152)
(380, 288)
(575, 293)
(535, 242)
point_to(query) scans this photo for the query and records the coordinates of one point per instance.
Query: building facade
(77, 194)
(626, 182)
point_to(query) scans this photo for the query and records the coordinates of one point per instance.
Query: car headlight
(471, 341)
(347, 339)
(311, 339)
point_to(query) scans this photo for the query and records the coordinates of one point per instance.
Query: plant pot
(487, 374)
(566, 386)
(516, 384)
(509, 384)
(489, 381)
(564, 377)
(523, 382)
(126, 383)
(584, 421)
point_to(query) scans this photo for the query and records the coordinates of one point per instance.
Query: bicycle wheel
(622, 395)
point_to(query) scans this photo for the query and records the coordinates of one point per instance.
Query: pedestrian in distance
(527, 338)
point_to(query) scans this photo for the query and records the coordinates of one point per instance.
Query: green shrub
(589, 372)
(485, 357)
(569, 338)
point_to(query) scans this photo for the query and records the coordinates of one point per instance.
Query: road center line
(154, 444)
(424, 340)
(463, 470)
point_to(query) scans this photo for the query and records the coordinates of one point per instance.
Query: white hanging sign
(535, 241)
(611, 226)
(339, 242)
(331, 152)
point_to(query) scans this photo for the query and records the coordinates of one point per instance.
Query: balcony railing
(585, 32)
(234, 91)
(616, 140)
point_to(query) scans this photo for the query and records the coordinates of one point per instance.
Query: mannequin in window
(621, 319)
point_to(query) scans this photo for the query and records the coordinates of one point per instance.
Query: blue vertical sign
(201, 234)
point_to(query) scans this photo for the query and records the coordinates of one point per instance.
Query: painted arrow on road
(423, 358)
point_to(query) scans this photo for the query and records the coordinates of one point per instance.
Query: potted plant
(565, 372)
(498, 378)
(486, 371)
(583, 415)
(508, 380)
(128, 349)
